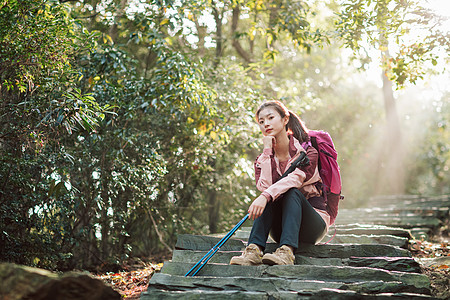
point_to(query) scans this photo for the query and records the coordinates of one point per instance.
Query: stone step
(348, 239)
(362, 261)
(205, 243)
(334, 294)
(216, 295)
(420, 202)
(395, 212)
(167, 282)
(408, 197)
(402, 264)
(302, 272)
(367, 239)
(354, 228)
(402, 221)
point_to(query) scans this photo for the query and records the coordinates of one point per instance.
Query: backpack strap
(313, 142)
(305, 145)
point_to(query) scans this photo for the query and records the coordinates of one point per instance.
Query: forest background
(124, 123)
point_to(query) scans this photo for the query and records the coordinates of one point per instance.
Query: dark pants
(289, 219)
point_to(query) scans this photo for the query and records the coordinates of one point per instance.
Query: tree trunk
(273, 16)
(201, 34)
(390, 179)
(105, 220)
(390, 174)
(213, 211)
(218, 16)
(237, 46)
(113, 31)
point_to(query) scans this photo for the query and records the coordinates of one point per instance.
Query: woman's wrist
(267, 196)
(268, 142)
(268, 151)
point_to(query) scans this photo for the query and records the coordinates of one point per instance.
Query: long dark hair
(295, 126)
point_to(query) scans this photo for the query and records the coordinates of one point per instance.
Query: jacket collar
(294, 146)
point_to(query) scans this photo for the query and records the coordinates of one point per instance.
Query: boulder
(27, 283)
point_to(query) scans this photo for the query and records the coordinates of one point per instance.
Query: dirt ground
(434, 256)
(135, 275)
(440, 282)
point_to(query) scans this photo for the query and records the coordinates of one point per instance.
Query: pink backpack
(328, 169)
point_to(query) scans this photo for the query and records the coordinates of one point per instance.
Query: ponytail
(298, 129)
(295, 125)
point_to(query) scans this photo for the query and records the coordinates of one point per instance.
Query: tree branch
(158, 233)
(201, 33)
(113, 31)
(273, 16)
(237, 46)
(90, 16)
(219, 39)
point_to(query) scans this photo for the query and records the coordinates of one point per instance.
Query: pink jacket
(267, 171)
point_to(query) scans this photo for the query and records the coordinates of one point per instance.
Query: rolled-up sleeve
(293, 180)
(263, 170)
(296, 179)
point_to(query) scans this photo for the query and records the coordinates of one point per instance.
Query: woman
(291, 209)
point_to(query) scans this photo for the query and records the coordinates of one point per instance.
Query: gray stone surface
(400, 221)
(207, 295)
(403, 264)
(304, 272)
(390, 211)
(199, 242)
(348, 239)
(177, 283)
(335, 294)
(366, 259)
(321, 295)
(204, 243)
(356, 228)
(368, 239)
(400, 201)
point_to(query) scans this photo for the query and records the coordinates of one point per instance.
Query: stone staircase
(368, 258)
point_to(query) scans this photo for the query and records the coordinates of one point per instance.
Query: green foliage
(132, 126)
(40, 105)
(428, 174)
(34, 36)
(404, 26)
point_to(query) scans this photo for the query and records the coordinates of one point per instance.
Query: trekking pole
(201, 263)
(302, 160)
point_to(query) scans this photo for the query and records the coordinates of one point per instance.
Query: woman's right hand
(257, 207)
(269, 141)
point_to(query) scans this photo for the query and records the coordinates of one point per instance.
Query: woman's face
(270, 122)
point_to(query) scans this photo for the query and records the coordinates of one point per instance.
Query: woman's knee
(292, 199)
(294, 193)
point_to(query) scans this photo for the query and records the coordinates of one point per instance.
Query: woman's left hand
(257, 207)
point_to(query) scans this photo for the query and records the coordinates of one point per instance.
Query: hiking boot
(282, 256)
(251, 256)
